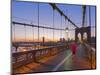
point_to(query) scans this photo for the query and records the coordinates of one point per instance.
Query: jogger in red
(73, 48)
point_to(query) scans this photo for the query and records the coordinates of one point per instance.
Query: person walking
(73, 48)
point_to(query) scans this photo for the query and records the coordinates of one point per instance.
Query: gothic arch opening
(79, 37)
(85, 36)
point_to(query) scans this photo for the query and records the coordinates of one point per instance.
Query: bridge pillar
(83, 30)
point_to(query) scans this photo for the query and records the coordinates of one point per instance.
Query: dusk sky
(26, 12)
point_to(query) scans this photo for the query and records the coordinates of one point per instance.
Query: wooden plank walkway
(63, 61)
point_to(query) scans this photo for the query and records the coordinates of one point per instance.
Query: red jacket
(73, 47)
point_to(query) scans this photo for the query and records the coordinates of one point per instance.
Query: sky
(27, 12)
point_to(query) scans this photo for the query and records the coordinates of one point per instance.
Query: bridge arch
(79, 36)
(85, 33)
(85, 36)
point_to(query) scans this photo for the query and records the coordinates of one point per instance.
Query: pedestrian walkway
(75, 63)
(63, 61)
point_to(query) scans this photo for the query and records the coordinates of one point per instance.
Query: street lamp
(66, 30)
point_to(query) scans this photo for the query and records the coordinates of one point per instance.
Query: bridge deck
(60, 62)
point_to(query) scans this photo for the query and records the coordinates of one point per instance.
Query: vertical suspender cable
(89, 15)
(14, 34)
(61, 27)
(43, 37)
(25, 33)
(90, 26)
(33, 32)
(33, 27)
(65, 25)
(69, 28)
(86, 18)
(53, 22)
(38, 24)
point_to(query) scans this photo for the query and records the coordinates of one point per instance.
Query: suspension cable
(89, 15)
(86, 18)
(33, 34)
(25, 32)
(61, 27)
(53, 22)
(38, 23)
(14, 34)
(90, 25)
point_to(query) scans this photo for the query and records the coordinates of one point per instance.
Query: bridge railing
(91, 54)
(22, 58)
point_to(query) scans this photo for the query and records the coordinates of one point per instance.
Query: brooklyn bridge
(42, 34)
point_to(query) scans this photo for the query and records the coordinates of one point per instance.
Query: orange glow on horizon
(35, 40)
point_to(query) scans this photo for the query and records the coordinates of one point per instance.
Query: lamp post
(66, 30)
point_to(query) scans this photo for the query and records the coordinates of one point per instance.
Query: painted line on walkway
(56, 68)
